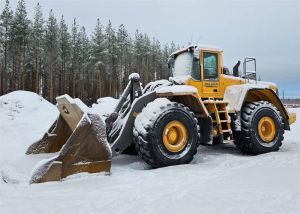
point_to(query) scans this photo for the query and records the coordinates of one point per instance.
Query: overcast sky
(268, 30)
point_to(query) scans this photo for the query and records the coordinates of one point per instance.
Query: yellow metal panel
(292, 117)
(207, 88)
(230, 80)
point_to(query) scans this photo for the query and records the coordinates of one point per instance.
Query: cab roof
(195, 47)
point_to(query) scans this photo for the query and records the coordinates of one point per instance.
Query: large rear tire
(262, 128)
(166, 133)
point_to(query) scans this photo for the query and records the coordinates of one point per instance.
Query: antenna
(200, 37)
(191, 40)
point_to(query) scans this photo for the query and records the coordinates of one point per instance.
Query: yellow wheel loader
(202, 103)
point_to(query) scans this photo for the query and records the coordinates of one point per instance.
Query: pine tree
(98, 42)
(128, 61)
(165, 72)
(29, 63)
(98, 51)
(84, 54)
(64, 52)
(38, 37)
(147, 64)
(20, 30)
(73, 75)
(123, 49)
(155, 59)
(111, 46)
(173, 47)
(6, 19)
(138, 51)
(52, 53)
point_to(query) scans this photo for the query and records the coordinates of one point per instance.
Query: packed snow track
(219, 180)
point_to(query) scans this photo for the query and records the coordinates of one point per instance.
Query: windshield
(183, 64)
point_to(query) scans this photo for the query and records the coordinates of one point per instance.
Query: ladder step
(215, 101)
(226, 130)
(227, 141)
(224, 121)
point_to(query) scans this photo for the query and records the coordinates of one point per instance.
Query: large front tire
(166, 133)
(261, 128)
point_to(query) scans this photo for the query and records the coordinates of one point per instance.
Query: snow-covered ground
(219, 180)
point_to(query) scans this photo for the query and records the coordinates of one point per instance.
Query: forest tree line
(50, 58)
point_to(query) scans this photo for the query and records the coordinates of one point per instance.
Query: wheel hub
(174, 136)
(266, 129)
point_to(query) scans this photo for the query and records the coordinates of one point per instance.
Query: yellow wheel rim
(174, 136)
(266, 129)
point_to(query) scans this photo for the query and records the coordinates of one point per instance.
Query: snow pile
(24, 117)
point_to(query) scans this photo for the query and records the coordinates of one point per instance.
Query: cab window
(210, 66)
(196, 69)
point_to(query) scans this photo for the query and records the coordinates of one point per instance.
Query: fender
(188, 96)
(237, 95)
(185, 94)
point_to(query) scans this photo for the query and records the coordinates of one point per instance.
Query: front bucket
(80, 138)
(53, 139)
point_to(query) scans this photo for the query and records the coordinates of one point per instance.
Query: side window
(196, 69)
(210, 66)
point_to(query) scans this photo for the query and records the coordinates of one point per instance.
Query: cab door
(210, 73)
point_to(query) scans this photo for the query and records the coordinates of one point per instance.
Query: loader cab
(201, 67)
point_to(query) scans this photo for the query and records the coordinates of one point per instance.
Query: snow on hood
(177, 89)
(182, 80)
(269, 84)
(253, 82)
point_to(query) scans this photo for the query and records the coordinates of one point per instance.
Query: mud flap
(80, 138)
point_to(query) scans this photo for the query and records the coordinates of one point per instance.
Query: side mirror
(236, 69)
